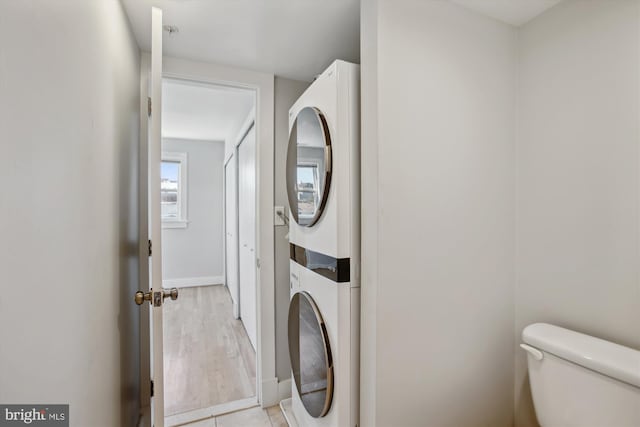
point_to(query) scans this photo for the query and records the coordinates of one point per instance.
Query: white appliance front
(339, 306)
(325, 253)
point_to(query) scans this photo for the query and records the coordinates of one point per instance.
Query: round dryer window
(310, 353)
(308, 166)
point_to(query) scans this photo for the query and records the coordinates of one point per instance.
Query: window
(308, 196)
(173, 190)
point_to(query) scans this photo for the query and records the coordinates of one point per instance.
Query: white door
(247, 232)
(156, 295)
(155, 230)
(231, 232)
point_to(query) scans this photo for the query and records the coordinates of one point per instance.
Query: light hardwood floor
(208, 358)
(253, 417)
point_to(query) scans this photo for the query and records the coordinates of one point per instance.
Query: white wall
(287, 93)
(578, 166)
(195, 255)
(234, 138)
(69, 121)
(438, 201)
(369, 184)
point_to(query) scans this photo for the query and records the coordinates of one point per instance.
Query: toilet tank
(581, 381)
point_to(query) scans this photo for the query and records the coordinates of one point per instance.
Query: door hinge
(149, 106)
(258, 262)
(151, 392)
(150, 251)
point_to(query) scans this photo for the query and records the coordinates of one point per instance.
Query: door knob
(170, 293)
(141, 297)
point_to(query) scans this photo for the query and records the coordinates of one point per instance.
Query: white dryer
(323, 184)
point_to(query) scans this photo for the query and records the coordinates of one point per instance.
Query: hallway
(208, 358)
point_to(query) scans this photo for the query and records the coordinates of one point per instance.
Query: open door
(155, 295)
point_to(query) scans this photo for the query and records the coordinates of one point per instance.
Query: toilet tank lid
(607, 358)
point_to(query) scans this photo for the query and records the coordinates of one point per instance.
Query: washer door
(308, 166)
(310, 354)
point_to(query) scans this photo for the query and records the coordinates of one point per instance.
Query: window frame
(182, 220)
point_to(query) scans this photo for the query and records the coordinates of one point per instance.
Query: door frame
(263, 85)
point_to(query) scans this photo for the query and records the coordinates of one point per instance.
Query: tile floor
(252, 417)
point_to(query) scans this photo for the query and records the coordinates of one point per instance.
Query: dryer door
(310, 353)
(308, 166)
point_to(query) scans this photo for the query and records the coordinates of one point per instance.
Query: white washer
(324, 186)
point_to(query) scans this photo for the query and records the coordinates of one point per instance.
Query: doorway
(269, 389)
(209, 333)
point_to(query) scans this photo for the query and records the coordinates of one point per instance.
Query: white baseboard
(236, 310)
(284, 389)
(189, 282)
(269, 392)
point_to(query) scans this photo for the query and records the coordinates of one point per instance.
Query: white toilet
(581, 381)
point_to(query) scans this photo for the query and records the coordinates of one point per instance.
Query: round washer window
(310, 353)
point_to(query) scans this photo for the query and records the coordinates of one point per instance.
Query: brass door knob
(141, 297)
(170, 293)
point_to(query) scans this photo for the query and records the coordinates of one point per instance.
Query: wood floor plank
(208, 357)
(276, 417)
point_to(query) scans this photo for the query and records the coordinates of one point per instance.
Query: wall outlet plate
(279, 215)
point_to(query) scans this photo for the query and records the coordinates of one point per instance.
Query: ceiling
(203, 112)
(297, 39)
(514, 12)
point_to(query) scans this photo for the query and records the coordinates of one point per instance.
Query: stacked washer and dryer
(323, 184)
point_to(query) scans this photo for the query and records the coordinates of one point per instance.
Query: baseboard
(188, 282)
(284, 389)
(269, 392)
(236, 310)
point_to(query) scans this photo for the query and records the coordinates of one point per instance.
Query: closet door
(231, 232)
(247, 232)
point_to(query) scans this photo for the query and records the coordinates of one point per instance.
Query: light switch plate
(279, 215)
